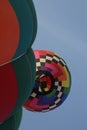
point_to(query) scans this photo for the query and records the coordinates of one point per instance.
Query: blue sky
(62, 28)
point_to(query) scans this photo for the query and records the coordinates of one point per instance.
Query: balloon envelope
(16, 83)
(52, 83)
(13, 122)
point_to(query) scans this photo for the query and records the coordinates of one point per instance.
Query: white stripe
(56, 83)
(49, 58)
(56, 58)
(52, 106)
(59, 88)
(33, 94)
(38, 64)
(60, 94)
(57, 101)
(42, 60)
(62, 62)
(45, 110)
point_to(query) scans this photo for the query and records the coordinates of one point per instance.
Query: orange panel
(9, 32)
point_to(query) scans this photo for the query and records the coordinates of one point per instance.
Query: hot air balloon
(16, 83)
(12, 123)
(18, 28)
(52, 83)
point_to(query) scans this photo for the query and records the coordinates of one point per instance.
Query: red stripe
(8, 91)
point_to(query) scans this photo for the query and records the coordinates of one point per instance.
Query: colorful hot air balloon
(52, 82)
(18, 27)
(16, 83)
(13, 123)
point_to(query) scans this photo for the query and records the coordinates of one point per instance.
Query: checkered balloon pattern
(52, 83)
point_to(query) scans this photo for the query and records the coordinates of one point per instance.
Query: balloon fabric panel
(9, 32)
(8, 91)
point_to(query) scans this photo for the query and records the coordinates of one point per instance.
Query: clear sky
(62, 28)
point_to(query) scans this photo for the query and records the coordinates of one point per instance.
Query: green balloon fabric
(31, 5)
(31, 56)
(28, 67)
(18, 118)
(13, 123)
(17, 80)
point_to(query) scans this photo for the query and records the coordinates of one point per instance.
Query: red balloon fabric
(9, 32)
(8, 91)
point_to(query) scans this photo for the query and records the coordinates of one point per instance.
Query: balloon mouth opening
(44, 82)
